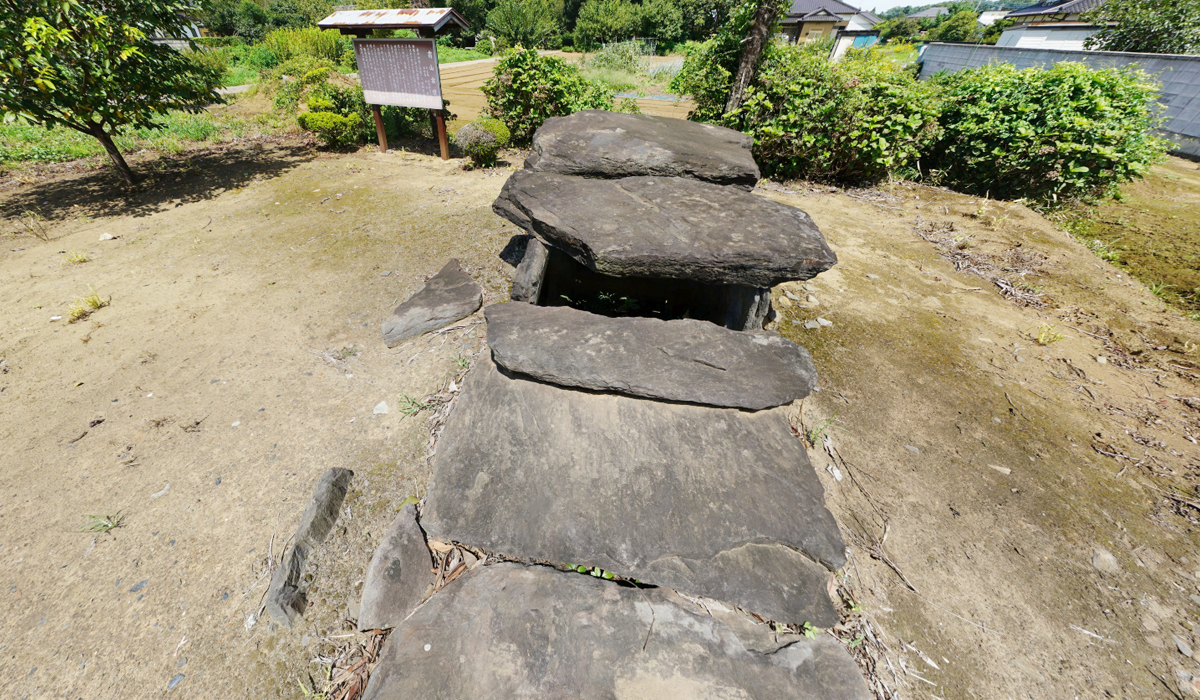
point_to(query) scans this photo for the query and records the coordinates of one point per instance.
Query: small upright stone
(527, 282)
(449, 295)
(285, 598)
(398, 574)
(596, 143)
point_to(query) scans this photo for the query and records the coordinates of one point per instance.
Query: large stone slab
(595, 143)
(527, 281)
(708, 501)
(681, 360)
(398, 575)
(667, 227)
(449, 295)
(508, 631)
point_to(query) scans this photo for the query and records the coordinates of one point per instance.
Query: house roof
(815, 16)
(929, 12)
(1056, 7)
(807, 7)
(871, 17)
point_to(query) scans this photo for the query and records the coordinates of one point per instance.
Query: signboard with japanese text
(399, 72)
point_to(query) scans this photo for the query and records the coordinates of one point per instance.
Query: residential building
(1050, 24)
(808, 20)
(929, 13)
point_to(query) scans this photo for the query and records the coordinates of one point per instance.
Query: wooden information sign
(402, 73)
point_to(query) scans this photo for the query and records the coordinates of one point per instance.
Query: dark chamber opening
(567, 282)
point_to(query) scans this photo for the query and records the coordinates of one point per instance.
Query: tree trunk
(756, 39)
(114, 155)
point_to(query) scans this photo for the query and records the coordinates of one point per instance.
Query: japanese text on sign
(400, 72)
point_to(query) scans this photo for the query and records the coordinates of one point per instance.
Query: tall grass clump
(308, 41)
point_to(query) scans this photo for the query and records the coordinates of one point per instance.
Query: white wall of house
(1026, 36)
(856, 22)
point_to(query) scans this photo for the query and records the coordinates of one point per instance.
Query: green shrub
(291, 79)
(309, 41)
(260, 57)
(317, 103)
(335, 130)
(1065, 133)
(605, 21)
(217, 59)
(482, 139)
(855, 121)
(629, 106)
(526, 89)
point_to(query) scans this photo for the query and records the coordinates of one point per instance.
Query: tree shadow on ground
(167, 181)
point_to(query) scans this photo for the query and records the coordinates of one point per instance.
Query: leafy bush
(661, 19)
(855, 121)
(335, 130)
(526, 89)
(1064, 133)
(482, 139)
(1149, 26)
(629, 106)
(962, 26)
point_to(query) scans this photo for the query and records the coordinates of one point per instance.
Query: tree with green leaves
(899, 28)
(604, 21)
(962, 26)
(527, 23)
(92, 66)
(1147, 26)
(661, 19)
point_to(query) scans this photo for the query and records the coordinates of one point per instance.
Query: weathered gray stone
(595, 143)
(667, 227)
(682, 360)
(709, 501)
(508, 631)
(285, 598)
(527, 282)
(449, 295)
(398, 575)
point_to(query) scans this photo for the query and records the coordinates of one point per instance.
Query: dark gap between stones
(566, 282)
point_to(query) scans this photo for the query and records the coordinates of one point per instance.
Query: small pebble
(1104, 561)
(55, 318)
(791, 296)
(1102, 360)
(1182, 646)
(812, 300)
(106, 236)
(912, 449)
(824, 322)
(811, 324)
(385, 273)
(235, 424)
(175, 681)
(428, 647)
(381, 407)
(872, 277)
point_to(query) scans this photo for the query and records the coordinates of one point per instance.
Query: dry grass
(86, 306)
(1008, 271)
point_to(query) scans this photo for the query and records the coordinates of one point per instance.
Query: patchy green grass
(240, 75)
(1152, 231)
(452, 54)
(21, 142)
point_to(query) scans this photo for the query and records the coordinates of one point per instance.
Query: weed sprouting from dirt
(32, 223)
(1102, 250)
(1047, 335)
(86, 306)
(76, 257)
(103, 523)
(814, 434)
(411, 406)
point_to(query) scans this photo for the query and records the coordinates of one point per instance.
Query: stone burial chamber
(667, 247)
(628, 419)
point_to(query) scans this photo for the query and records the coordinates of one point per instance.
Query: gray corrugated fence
(1179, 75)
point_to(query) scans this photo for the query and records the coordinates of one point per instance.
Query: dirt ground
(239, 357)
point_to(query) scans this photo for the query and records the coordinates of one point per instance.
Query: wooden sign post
(402, 73)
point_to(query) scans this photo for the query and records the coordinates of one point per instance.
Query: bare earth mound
(1019, 516)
